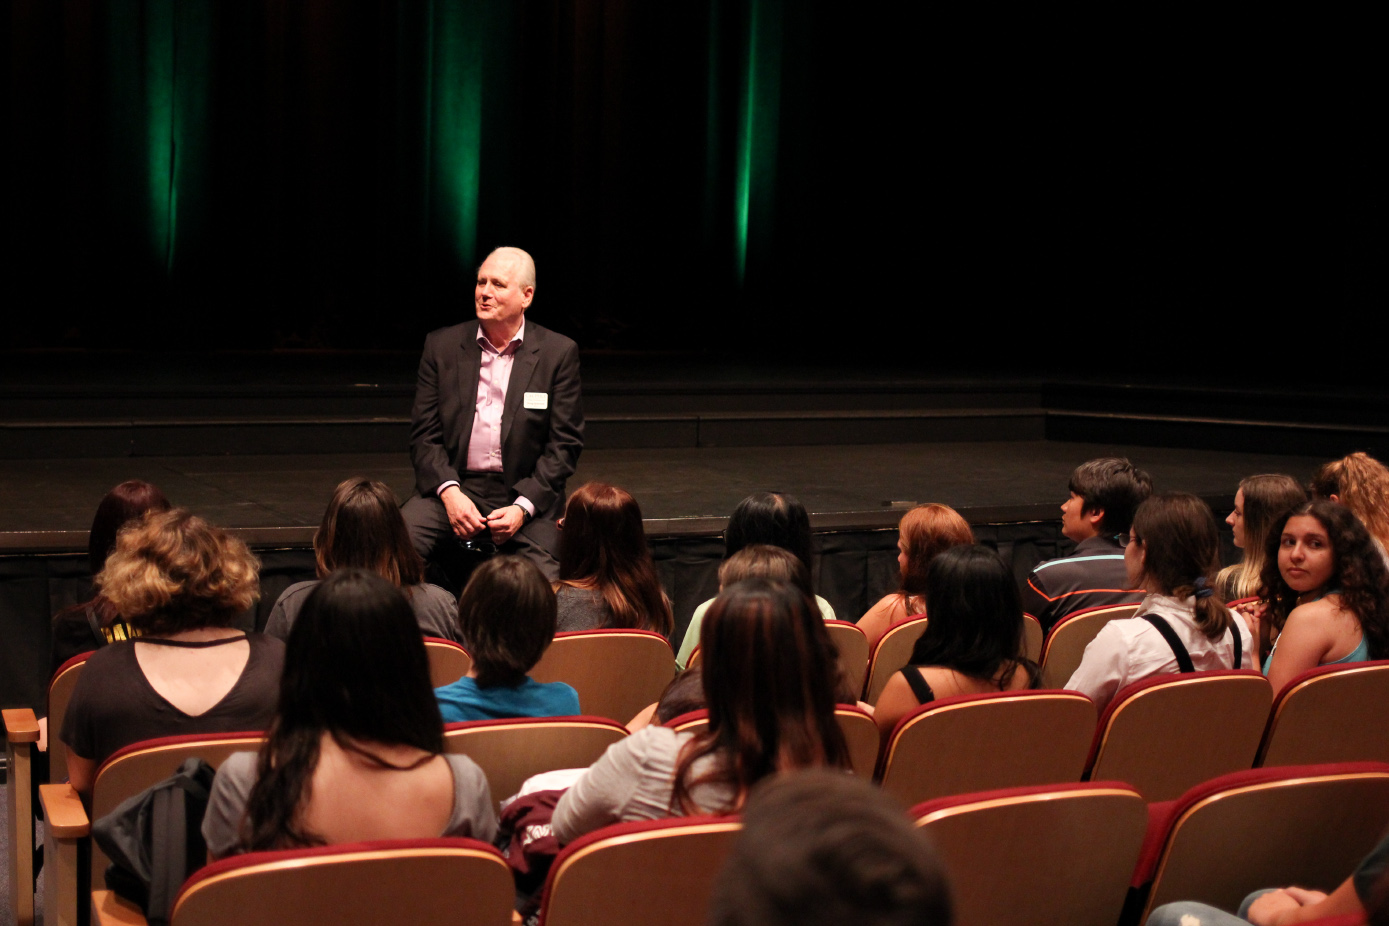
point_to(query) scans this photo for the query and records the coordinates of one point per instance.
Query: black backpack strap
(1239, 642)
(1183, 657)
(178, 849)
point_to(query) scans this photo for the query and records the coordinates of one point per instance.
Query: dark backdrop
(265, 174)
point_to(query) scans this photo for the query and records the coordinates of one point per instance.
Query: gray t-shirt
(473, 812)
(581, 609)
(633, 780)
(436, 611)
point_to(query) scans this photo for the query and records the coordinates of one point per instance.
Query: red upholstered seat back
(980, 742)
(1307, 825)
(1169, 733)
(1039, 854)
(379, 883)
(653, 871)
(1330, 714)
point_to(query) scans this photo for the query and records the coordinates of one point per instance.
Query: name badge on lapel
(536, 400)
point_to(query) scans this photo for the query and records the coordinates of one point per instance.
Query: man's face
(1076, 523)
(499, 295)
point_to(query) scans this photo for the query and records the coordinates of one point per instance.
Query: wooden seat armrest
(21, 726)
(108, 909)
(62, 808)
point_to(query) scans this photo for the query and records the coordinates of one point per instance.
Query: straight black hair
(355, 668)
(773, 518)
(974, 623)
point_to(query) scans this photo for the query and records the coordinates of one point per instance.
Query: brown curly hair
(172, 571)
(1359, 574)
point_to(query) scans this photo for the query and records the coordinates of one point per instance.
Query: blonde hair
(1266, 498)
(172, 571)
(1361, 483)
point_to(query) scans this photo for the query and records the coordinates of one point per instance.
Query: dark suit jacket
(540, 446)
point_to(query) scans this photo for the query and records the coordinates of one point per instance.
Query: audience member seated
(923, 533)
(1360, 894)
(363, 529)
(1328, 592)
(1260, 502)
(1361, 483)
(606, 575)
(771, 518)
(95, 623)
(356, 748)
(823, 849)
(973, 642)
(1181, 626)
(507, 619)
(1104, 495)
(684, 694)
(768, 673)
(759, 561)
(180, 583)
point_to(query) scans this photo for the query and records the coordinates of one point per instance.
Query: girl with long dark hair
(355, 750)
(773, 518)
(973, 642)
(1328, 592)
(769, 677)
(606, 575)
(362, 528)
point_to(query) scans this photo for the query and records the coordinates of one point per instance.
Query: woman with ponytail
(1181, 626)
(355, 750)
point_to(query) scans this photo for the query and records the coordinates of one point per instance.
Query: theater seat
(980, 742)
(451, 881)
(617, 673)
(1308, 825)
(21, 751)
(892, 651)
(1045, 854)
(1068, 638)
(510, 751)
(1166, 734)
(1032, 638)
(851, 645)
(1330, 714)
(448, 662)
(67, 835)
(652, 871)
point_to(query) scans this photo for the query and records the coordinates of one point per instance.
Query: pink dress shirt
(485, 441)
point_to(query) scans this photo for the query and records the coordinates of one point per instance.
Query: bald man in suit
(498, 424)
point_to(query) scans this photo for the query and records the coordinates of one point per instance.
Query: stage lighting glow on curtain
(755, 177)
(160, 52)
(454, 128)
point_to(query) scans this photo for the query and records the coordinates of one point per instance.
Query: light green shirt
(687, 645)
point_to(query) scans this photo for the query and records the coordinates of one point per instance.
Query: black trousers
(433, 536)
